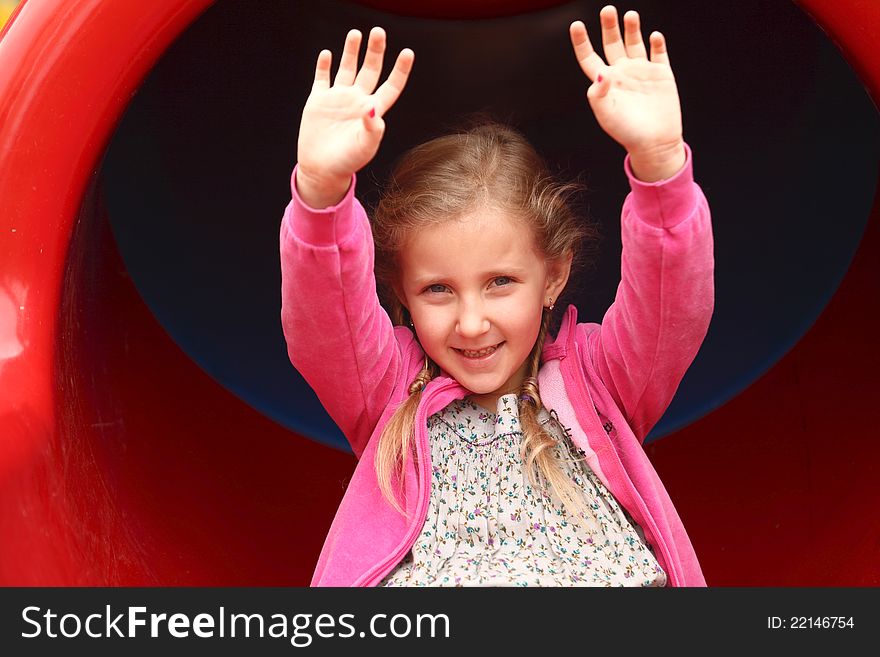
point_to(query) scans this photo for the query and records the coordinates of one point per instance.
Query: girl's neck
(489, 400)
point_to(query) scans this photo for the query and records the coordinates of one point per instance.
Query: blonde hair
(486, 165)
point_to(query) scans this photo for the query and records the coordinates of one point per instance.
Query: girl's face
(476, 288)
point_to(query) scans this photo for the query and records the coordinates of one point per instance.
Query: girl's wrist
(658, 162)
(320, 191)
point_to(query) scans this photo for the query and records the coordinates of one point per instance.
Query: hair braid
(539, 461)
(391, 454)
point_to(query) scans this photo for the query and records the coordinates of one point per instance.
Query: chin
(479, 387)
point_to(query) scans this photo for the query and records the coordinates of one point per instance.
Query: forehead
(477, 242)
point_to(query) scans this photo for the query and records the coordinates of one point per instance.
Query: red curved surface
(122, 463)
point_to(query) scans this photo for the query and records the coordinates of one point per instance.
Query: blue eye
(501, 281)
(437, 288)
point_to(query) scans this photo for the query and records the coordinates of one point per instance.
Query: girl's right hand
(342, 124)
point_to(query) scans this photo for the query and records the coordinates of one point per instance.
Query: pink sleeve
(338, 336)
(653, 330)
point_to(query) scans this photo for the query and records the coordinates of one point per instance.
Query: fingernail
(372, 112)
(599, 78)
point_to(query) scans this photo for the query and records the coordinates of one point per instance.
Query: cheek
(523, 318)
(431, 324)
(529, 327)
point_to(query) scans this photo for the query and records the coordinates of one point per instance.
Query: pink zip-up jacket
(627, 369)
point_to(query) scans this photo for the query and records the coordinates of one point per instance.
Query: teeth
(478, 354)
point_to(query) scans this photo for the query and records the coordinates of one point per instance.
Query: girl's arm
(653, 330)
(664, 302)
(338, 336)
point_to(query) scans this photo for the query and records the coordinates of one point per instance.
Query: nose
(472, 320)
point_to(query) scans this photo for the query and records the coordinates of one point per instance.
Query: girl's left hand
(635, 99)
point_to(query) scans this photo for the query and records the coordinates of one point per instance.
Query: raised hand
(634, 98)
(342, 124)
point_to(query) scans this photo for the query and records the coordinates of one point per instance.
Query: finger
(588, 59)
(322, 70)
(659, 53)
(632, 36)
(348, 63)
(369, 74)
(612, 43)
(373, 123)
(601, 87)
(389, 91)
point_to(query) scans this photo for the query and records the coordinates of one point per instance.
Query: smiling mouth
(480, 353)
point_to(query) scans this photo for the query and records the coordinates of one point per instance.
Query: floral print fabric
(487, 525)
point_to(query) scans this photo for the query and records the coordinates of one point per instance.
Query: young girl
(490, 453)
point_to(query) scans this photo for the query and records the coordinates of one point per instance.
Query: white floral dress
(487, 526)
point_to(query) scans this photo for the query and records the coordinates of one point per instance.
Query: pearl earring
(550, 300)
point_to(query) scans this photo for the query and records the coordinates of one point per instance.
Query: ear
(557, 276)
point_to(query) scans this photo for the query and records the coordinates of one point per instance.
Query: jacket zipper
(651, 528)
(375, 574)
